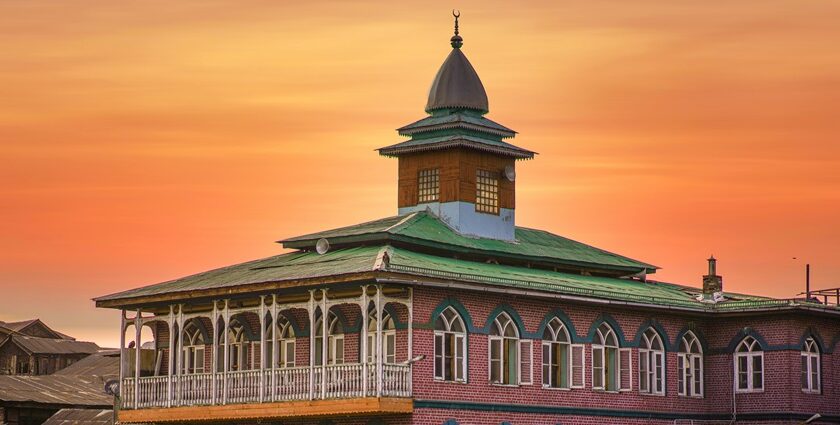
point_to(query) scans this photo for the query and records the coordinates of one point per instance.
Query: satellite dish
(510, 172)
(322, 246)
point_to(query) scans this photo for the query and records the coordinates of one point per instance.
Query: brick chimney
(712, 282)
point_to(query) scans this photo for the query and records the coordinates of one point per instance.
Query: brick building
(448, 313)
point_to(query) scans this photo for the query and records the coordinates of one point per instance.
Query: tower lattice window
(487, 192)
(428, 182)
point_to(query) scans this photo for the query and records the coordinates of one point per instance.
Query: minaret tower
(457, 163)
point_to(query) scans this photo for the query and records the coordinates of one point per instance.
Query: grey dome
(457, 85)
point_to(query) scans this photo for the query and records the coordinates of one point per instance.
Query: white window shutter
(526, 362)
(625, 369)
(578, 371)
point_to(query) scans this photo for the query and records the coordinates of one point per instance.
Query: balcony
(266, 386)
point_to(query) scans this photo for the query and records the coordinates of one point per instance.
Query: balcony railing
(263, 386)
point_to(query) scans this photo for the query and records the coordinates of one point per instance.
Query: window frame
(811, 354)
(332, 341)
(509, 369)
(690, 367)
(487, 182)
(193, 350)
(604, 347)
(389, 335)
(428, 185)
(458, 339)
(750, 354)
(651, 373)
(556, 330)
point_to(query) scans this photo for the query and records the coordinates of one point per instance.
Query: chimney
(712, 282)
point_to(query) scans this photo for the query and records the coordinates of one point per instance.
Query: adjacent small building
(33, 348)
(448, 313)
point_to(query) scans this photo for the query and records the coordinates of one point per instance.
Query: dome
(457, 85)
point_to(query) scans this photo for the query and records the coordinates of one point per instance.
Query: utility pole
(807, 282)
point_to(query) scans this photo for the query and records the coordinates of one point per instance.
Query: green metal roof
(295, 265)
(456, 141)
(425, 229)
(301, 265)
(459, 119)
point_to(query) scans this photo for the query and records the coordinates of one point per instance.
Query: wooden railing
(256, 386)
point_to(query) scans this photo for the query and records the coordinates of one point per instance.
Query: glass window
(690, 367)
(192, 347)
(450, 346)
(556, 359)
(428, 185)
(285, 337)
(504, 351)
(651, 363)
(811, 367)
(605, 370)
(487, 192)
(389, 337)
(335, 341)
(749, 366)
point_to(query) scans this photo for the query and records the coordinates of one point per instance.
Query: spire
(456, 39)
(456, 85)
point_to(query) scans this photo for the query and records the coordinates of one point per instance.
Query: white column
(326, 343)
(262, 347)
(137, 327)
(364, 307)
(274, 354)
(179, 354)
(123, 361)
(214, 352)
(226, 322)
(311, 344)
(378, 340)
(170, 320)
(410, 342)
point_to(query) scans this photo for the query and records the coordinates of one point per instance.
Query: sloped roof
(456, 85)
(55, 389)
(456, 141)
(459, 119)
(81, 417)
(104, 363)
(295, 265)
(38, 345)
(425, 229)
(22, 325)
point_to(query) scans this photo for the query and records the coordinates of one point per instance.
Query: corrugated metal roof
(426, 229)
(104, 363)
(455, 141)
(460, 119)
(55, 389)
(81, 417)
(296, 265)
(38, 345)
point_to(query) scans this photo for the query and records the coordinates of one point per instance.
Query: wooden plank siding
(264, 411)
(457, 175)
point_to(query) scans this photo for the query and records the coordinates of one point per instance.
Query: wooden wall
(457, 175)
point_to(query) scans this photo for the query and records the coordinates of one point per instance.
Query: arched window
(192, 347)
(335, 341)
(811, 367)
(651, 363)
(285, 335)
(610, 365)
(510, 358)
(238, 346)
(690, 366)
(556, 355)
(749, 366)
(450, 346)
(389, 337)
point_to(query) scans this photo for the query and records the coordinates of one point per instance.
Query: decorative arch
(300, 331)
(743, 333)
(811, 332)
(392, 311)
(514, 316)
(246, 326)
(656, 326)
(458, 307)
(697, 333)
(606, 318)
(202, 329)
(563, 318)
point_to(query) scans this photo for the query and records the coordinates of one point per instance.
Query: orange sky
(146, 140)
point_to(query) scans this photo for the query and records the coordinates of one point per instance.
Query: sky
(146, 140)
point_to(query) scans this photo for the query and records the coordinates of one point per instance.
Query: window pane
(743, 376)
(682, 375)
(757, 372)
(439, 356)
(460, 347)
(563, 364)
(804, 374)
(644, 356)
(546, 364)
(428, 185)
(487, 192)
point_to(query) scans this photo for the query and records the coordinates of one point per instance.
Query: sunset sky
(146, 140)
